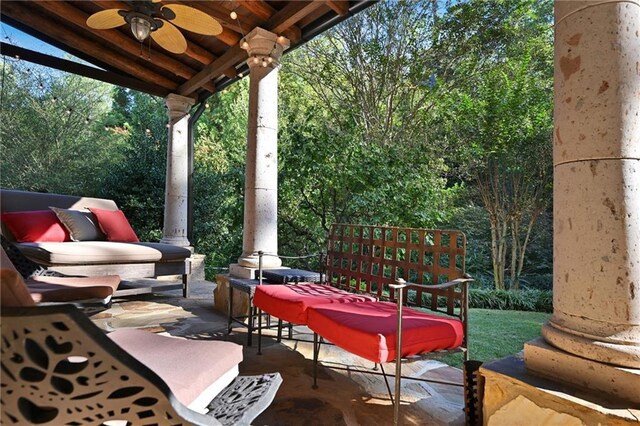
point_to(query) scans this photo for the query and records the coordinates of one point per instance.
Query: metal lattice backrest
(368, 258)
(59, 368)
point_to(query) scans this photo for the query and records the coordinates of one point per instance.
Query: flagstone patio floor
(343, 397)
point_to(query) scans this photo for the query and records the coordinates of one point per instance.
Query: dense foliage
(409, 114)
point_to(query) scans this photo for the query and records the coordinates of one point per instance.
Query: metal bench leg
(185, 285)
(316, 350)
(250, 323)
(259, 332)
(230, 319)
(400, 284)
(279, 330)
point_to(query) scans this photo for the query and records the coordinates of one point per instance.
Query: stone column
(596, 317)
(176, 193)
(260, 232)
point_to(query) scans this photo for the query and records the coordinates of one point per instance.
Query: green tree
(354, 141)
(220, 149)
(499, 115)
(51, 137)
(137, 181)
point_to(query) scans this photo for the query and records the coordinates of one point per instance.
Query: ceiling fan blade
(170, 38)
(106, 19)
(193, 20)
(156, 1)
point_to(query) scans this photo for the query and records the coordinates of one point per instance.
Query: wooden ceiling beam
(265, 12)
(81, 69)
(289, 15)
(341, 7)
(293, 33)
(58, 32)
(230, 58)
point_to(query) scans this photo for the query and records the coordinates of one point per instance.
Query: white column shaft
(597, 182)
(176, 193)
(261, 181)
(260, 232)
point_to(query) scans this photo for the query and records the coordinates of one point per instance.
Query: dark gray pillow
(82, 224)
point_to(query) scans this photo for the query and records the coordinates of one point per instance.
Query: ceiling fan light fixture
(140, 27)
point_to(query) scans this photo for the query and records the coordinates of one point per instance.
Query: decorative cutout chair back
(60, 368)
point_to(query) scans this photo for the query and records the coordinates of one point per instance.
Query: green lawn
(495, 334)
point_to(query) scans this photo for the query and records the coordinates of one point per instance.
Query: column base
(514, 395)
(610, 352)
(239, 271)
(618, 383)
(252, 260)
(177, 241)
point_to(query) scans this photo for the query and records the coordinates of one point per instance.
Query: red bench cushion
(368, 329)
(290, 302)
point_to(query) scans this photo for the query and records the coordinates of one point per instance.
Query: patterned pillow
(81, 224)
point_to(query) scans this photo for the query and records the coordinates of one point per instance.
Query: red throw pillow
(35, 226)
(115, 225)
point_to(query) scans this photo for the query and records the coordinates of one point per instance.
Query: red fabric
(290, 302)
(115, 225)
(368, 329)
(35, 226)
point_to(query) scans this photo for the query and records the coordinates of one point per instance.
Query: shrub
(504, 300)
(515, 300)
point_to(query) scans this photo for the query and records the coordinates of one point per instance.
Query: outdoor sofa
(86, 236)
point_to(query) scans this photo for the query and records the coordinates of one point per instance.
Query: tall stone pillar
(176, 193)
(596, 319)
(260, 232)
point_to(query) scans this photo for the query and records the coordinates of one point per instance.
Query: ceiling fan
(150, 17)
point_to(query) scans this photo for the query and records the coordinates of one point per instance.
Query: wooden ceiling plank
(81, 69)
(259, 8)
(341, 7)
(230, 58)
(316, 14)
(291, 14)
(26, 16)
(70, 14)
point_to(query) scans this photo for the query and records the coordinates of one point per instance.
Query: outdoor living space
(343, 397)
(480, 160)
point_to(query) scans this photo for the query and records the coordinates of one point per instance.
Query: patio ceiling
(210, 62)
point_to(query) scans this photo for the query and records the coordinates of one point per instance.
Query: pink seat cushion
(188, 367)
(13, 291)
(290, 302)
(70, 289)
(369, 329)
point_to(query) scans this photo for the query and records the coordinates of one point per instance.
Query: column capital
(178, 106)
(264, 48)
